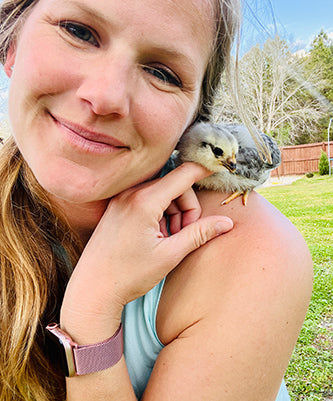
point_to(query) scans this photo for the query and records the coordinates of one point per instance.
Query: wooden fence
(301, 159)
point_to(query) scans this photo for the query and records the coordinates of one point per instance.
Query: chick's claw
(235, 195)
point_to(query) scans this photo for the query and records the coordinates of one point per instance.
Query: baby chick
(230, 152)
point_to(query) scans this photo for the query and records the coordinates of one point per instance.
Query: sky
(297, 21)
(303, 19)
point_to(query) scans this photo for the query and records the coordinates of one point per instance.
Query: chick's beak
(230, 163)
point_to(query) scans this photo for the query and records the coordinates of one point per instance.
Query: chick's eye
(80, 32)
(167, 77)
(217, 151)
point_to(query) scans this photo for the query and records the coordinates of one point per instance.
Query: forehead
(197, 16)
(186, 24)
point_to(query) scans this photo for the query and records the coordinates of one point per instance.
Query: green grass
(308, 203)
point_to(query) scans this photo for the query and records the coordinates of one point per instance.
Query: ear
(10, 60)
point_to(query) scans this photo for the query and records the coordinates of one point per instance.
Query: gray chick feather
(230, 152)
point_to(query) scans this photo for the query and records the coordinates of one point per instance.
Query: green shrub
(309, 175)
(323, 164)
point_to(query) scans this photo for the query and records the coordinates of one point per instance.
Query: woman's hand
(130, 250)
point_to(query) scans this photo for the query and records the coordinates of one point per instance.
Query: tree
(321, 59)
(276, 94)
(323, 164)
(320, 63)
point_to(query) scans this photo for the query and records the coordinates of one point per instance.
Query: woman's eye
(80, 32)
(164, 75)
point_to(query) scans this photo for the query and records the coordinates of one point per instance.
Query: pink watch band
(100, 356)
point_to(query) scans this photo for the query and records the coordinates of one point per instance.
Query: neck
(83, 218)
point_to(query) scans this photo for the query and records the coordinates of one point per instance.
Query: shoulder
(263, 264)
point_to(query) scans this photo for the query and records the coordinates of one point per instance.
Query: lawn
(308, 203)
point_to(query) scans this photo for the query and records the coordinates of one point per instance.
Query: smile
(87, 140)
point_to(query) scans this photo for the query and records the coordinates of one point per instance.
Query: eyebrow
(86, 9)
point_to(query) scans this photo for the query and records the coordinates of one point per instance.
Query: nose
(106, 88)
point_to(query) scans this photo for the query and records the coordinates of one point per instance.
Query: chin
(69, 188)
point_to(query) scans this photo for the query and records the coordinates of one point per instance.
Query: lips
(88, 135)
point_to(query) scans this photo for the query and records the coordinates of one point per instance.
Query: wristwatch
(72, 359)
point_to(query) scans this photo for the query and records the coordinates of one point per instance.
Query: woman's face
(101, 90)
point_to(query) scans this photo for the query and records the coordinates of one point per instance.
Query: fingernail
(223, 226)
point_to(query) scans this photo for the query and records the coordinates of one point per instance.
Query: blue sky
(297, 21)
(302, 20)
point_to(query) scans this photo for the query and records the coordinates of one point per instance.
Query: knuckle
(133, 199)
(201, 235)
(140, 198)
(139, 202)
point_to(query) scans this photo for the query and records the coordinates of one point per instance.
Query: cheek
(165, 119)
(41, 69)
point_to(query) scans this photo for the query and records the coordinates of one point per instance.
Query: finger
(183, 211)
(195, 235)
(174, 218)
(163, 227)
(189, 205)
(176, 183)
(175, 222)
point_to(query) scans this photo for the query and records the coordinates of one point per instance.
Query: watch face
(59, 352)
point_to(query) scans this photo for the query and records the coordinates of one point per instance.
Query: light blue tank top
(141, 342)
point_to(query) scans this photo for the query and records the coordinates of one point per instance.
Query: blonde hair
(34, 272)
(227, 16)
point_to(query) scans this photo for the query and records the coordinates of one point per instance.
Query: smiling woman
(100, 93)
(83, 58)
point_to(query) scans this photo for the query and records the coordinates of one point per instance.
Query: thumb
(197, 234)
